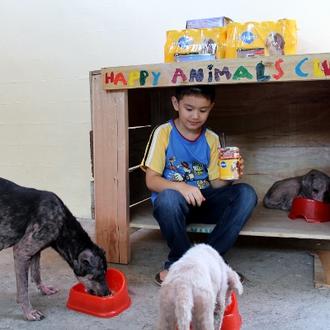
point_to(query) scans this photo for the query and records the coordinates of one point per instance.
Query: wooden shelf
(264, 222)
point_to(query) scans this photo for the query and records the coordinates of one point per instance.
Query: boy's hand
(241, 167)
(191, 194)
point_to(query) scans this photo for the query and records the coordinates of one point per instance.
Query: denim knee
(247, 194)
(169, 199)
(170, 203)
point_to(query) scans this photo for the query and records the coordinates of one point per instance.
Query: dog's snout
(99, 289)
(95, 287)
(103, 291)
(100, 293)
(91, 291)
(106, 292)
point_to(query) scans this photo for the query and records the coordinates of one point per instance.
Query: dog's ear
(86, 257)
(104, 258)
(84, 262)
(100, 253)
(315, 185)
(307, 184)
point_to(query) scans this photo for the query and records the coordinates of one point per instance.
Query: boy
(182, 172)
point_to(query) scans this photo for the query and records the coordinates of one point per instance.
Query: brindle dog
(32, 220)
(313, 185)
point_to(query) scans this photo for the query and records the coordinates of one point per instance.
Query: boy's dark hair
(207, 91)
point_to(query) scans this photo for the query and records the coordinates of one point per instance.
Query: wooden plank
(321, 269)
(121, 107)
(264, 166)
(275, 223)
(287, 114)
(109, 111)
(263, 222)
(223, 71)
(286, 161)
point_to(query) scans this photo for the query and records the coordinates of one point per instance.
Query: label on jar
(229, 163)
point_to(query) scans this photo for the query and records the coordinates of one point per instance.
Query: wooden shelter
(276, 109)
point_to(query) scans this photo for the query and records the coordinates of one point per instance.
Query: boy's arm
(155, 182)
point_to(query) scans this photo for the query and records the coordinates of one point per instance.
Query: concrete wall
(48, 48)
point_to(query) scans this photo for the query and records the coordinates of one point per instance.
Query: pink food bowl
(310, 210)
(81, 301)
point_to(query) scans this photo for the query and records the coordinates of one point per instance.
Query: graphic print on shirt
(183, 171)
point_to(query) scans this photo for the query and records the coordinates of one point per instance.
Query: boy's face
(193, 111)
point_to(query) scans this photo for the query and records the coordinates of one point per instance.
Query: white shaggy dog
(197, 286)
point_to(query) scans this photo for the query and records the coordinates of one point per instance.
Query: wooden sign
(224, 71)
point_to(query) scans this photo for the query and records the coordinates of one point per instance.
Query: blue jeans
(228, 208)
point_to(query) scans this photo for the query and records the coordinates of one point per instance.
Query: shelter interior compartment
(282, 129)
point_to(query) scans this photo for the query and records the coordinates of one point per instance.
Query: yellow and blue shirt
(179, 159)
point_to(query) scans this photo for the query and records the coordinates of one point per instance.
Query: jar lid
(229, 152)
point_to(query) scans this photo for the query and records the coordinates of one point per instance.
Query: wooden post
(110, 142)
(322, 269)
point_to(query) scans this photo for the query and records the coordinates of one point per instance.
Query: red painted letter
(120, 78)
(280, 73)
(326, 69)
(178, 73)
(108, 77)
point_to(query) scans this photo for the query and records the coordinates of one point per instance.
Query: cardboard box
(194, 57)
(208, 22)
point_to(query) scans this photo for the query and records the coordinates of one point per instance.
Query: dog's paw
(34, 315)
(47, 290)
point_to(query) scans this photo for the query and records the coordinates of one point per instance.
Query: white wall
(48, 48)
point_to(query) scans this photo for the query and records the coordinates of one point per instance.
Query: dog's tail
(183, 307)
(234, 284)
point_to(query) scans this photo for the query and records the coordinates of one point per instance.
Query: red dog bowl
(310, 210)
(232, 319)
(81, 301)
